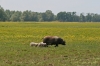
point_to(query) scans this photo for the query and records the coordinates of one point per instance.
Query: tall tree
(82, 18)
(88, 17)
(61, 16)
(68, 16)
(16, 16)
(34, 16)
(25, 16)
(49, 15)
(3, 16)
(40, 17)
(75, 17)
(96, 18)
(8, 13)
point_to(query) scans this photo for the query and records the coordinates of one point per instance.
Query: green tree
(82, 18)
(96, 18)
(33, 16)
(40, 17)
(68, 16)
(8, 13)
(3, 16)
(75, 18)
(16, 16)
(47, 16)
(88, 17)
(25, 16)
(61, 16)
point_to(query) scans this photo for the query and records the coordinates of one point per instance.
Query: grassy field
(82, 44)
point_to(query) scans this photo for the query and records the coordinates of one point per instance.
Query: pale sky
(56, 6)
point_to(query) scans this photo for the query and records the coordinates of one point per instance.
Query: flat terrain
(82, 44)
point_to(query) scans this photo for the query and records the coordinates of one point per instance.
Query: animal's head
(63, 43)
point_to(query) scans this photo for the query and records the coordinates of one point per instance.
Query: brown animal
(53, 40)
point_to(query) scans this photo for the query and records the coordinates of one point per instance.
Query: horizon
(86, 6)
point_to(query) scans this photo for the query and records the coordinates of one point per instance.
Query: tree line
(8, 15)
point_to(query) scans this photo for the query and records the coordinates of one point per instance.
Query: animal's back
(50, 39)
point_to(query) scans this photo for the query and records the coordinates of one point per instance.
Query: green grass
(82, 44)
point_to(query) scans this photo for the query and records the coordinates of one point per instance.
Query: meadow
(82, 44)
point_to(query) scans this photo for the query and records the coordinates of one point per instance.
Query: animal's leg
(56, 45)
(47, 44)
